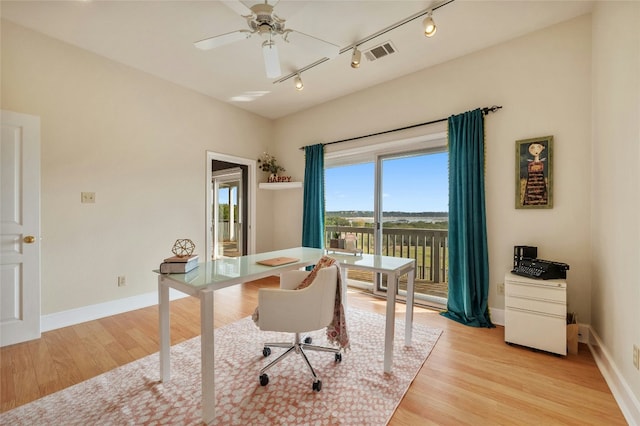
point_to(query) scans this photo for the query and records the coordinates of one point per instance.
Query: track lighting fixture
(298, 82)
(355, 57)
(429, 26)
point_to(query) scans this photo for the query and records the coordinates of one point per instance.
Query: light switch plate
(87, 197)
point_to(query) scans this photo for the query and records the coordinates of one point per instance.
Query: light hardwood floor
(471, 378)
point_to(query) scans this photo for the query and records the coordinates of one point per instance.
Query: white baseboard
(628, 403)
(88, 313)
(497, 316)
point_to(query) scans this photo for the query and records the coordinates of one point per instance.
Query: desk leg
(165, 330)
(408, 323)
(389, 330)
(207, 356)
(343, 277)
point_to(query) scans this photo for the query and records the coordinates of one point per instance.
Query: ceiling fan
(262, 21)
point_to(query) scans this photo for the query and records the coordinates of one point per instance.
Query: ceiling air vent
(380, 51)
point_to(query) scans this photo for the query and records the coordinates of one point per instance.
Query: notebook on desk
(277, 261)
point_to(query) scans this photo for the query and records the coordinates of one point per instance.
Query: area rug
(354, 391)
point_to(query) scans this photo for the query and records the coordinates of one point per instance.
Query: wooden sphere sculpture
(183, 248)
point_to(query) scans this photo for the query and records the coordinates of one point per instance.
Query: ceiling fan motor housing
(264, 21)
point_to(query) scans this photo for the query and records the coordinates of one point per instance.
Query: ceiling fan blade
(311, 43)
(271, 59)
(221, 40)
(238, 7)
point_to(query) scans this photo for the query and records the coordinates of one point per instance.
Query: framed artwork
(534, 173)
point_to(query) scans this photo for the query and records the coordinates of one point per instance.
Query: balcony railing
(227, 232)
(427, 246)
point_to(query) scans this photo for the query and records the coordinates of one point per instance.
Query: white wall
(139, 143)
(543, 81)
(615, 307)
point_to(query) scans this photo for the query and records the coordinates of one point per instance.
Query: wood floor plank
(94, 343)
(471, 377)
(42, 363)
(68, 372)
(7, 379)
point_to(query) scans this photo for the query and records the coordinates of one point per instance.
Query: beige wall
(543, 82)
(615, 307)
(139, 143)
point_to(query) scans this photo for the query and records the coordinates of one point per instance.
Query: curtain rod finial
(493, 108)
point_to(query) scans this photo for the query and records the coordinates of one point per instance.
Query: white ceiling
(157, 37)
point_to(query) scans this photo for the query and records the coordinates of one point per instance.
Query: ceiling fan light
(429, 26)
(298, 82)
(271, 59)
(356, 56)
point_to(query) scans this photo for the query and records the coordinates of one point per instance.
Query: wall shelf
(280, 185)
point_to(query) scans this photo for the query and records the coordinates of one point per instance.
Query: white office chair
(298, 311)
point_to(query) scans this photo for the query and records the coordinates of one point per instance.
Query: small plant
(269, 164)
(335, 241)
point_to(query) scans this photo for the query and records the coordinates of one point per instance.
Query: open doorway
(229, 214)
(230, 206)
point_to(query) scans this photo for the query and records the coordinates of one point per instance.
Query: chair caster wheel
(308, 340)
(266, 352)
(264, 380)
(317, 386)
(338, 357)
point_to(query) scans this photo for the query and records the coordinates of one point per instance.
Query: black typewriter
(541, 269)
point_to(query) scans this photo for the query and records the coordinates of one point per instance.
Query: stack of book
(179, 264)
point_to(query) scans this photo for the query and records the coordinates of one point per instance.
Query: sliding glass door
(395, 205)
(411, 216)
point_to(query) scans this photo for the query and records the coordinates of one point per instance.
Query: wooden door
(20, 228)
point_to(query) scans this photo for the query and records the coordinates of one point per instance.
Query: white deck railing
(427, 246)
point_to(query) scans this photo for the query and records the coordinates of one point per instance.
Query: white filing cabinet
(535, 313)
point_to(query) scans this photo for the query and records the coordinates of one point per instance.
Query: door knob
(29, 239)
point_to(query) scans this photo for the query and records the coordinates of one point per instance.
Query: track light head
(429, 26)
(355, 57)
(298, 82)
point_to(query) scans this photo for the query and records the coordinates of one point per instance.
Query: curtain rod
(485, 111)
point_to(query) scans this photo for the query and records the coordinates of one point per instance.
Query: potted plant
(269, 164)
(335, 241)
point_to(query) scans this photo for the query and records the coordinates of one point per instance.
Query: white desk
(221, 273)
(394, 268)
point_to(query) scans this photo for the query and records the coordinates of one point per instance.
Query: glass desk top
(373, 262)
(224, 272)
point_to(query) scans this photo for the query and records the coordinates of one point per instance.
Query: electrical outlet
(636, 357)
(501, 288)
(122, 281)
(87, 197)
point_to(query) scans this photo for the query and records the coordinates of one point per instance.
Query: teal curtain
(468, 257)
(313, 199)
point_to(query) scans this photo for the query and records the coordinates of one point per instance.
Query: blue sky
(411, 184)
